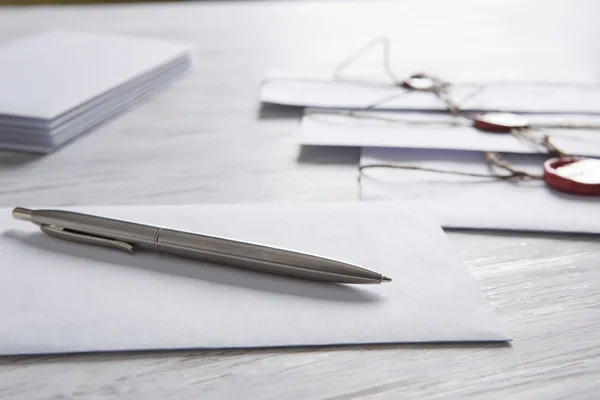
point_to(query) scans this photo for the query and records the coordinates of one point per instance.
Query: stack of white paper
(59, 84)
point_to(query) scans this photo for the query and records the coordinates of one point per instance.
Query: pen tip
(385, 279)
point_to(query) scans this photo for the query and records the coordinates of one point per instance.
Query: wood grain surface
(207, 140)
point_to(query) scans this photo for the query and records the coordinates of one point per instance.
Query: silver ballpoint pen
(130, 236)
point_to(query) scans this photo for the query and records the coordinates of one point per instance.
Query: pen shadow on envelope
(193, 269)
(158, 354)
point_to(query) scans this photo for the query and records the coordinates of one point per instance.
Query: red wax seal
(573, 175)
(500, 122)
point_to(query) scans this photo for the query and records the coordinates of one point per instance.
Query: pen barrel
(259, 258)
(127, 236)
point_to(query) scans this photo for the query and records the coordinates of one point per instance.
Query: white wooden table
(207, 140)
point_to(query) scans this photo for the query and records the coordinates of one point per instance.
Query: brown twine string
(316, 114)
(385, 42)
(358, 114)
(492, 158)
(545, 141)
(440, 90)
(552, 149)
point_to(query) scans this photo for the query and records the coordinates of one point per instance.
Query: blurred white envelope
(57, 296)
(443, 131)
(479, 203)
(302, 90)
(58, 84)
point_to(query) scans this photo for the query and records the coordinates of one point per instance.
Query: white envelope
(477, 203)
(26, 139)
(59, 84)
(45, 75)
(155, 77)
(57, 296)
(295, 89)
(443, 131)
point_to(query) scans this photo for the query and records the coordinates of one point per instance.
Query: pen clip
(81, 237)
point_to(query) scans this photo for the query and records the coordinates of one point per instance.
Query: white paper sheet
(443, 131)
(479, 203)
(303, 90)
(57, 296)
